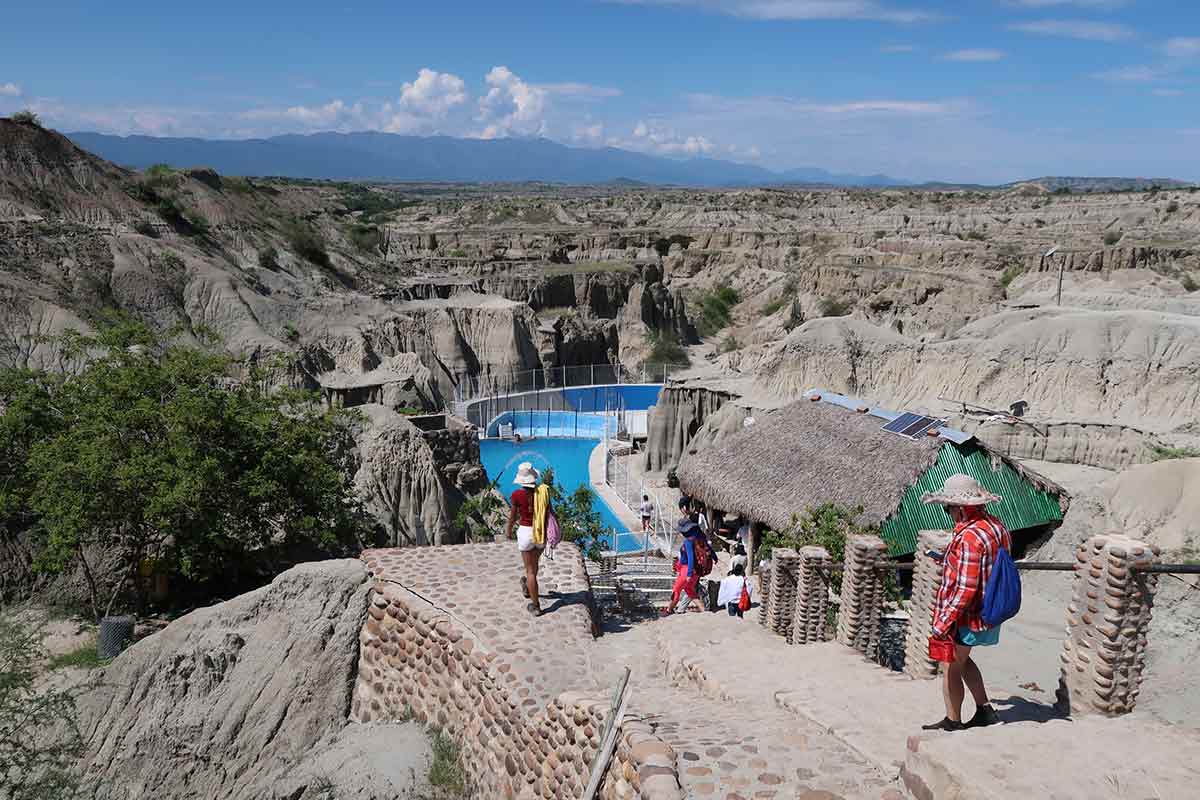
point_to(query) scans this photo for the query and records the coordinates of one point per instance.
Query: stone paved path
(727, 750)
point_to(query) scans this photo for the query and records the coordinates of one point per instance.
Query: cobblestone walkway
(734, 750)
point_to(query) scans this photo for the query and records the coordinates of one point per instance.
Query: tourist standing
(958, 625)
(739, 557)
(733, 585)
(521, 516)
(647, 509)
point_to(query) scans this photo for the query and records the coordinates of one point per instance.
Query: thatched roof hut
(815, 452)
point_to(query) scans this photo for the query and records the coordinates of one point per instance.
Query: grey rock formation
(412, 482)
(245, 699)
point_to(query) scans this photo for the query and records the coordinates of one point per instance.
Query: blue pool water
(555, 423)
(568, 457)
(564, 440)
(631, 397)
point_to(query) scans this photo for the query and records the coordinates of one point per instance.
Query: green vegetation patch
(85, 656)
(716, 309)
(666, 349)
(306, 242)
(446, 771)
(1160, 452)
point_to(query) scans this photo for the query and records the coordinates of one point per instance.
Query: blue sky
(979, 90)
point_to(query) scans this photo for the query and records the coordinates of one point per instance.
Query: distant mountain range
(391, 157)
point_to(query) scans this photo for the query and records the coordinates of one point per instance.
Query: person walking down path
(647, 509)
(729, 596)
(688, 570)
(524, 507)
(958, 624)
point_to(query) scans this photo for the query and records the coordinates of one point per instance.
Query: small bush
(975, 236)
(1188, 282)
(39, 738)
(268, 258)
(773, 307)
(716, 309)
(445, 771)
(1112, 237)
(666, 349)
(306, 242)
(85, 657)
(1160, 452)
(290, 333)
(146, 228)
(1172, 207)
(1011, 274)
(26, 117)
(457, 253)
(366, 238)
(834, 307)
(730, 344)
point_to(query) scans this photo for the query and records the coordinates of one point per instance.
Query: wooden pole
(609, 743)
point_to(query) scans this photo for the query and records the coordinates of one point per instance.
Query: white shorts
(525, 539)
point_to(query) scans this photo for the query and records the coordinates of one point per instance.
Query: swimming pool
(569, 459)
(564, 441)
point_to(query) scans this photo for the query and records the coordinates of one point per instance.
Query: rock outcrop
(245, 699)
(414, 482)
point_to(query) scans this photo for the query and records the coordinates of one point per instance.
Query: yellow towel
(541, 504)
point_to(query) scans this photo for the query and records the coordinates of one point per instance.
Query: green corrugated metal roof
(1024, 505)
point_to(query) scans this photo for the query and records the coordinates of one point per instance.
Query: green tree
(39, 740)
(578, 518)
(151, 452)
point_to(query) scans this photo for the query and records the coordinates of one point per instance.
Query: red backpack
(704, 559)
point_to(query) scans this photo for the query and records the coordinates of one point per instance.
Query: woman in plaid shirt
(966, 565)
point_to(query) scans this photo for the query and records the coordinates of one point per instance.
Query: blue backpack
(1002, 595)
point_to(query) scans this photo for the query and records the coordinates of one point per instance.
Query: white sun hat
(961, 490)
(527, 476)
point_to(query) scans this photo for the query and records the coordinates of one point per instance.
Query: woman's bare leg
(531, 559)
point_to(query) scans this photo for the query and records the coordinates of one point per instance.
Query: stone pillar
(810, 621)
(862, 594)
(764, 595)
(1105, 649)
(784, 564)
(927, 577)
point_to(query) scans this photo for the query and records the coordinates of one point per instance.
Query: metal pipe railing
(1042, 566)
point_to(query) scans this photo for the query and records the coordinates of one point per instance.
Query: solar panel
(901, 422)
(911, 425)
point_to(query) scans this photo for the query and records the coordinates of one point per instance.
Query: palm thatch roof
(802, 456)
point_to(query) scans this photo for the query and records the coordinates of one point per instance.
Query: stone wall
(456, 674)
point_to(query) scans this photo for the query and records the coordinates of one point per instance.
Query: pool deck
(600, 486)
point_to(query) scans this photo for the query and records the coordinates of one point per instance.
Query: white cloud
(655, 138)
(582, 91)
(10, 90)
(588, 134)
(511, 105)
(1166, 92)
(799, 9)
(975, 54)
(1183, 47)
(1075, 29)
(1134, 74)
(433, 93)
(898, 48)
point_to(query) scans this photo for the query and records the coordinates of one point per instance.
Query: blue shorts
(969, 638)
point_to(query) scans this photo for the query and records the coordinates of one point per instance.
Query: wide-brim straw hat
(527, 476)
(961, 490)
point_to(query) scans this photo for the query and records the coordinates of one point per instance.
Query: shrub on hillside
(1112, 237)
(306, 242)
(268, 258)
(26, 117)
(39, 739)
(666, 349)
(826, 526)
(366, 238)
(834, 307)
(716, 308)
(146, 452)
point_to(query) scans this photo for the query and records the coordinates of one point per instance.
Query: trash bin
(115, 635)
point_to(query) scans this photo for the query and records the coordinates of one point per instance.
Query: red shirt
(965, 570)
(522, 501)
